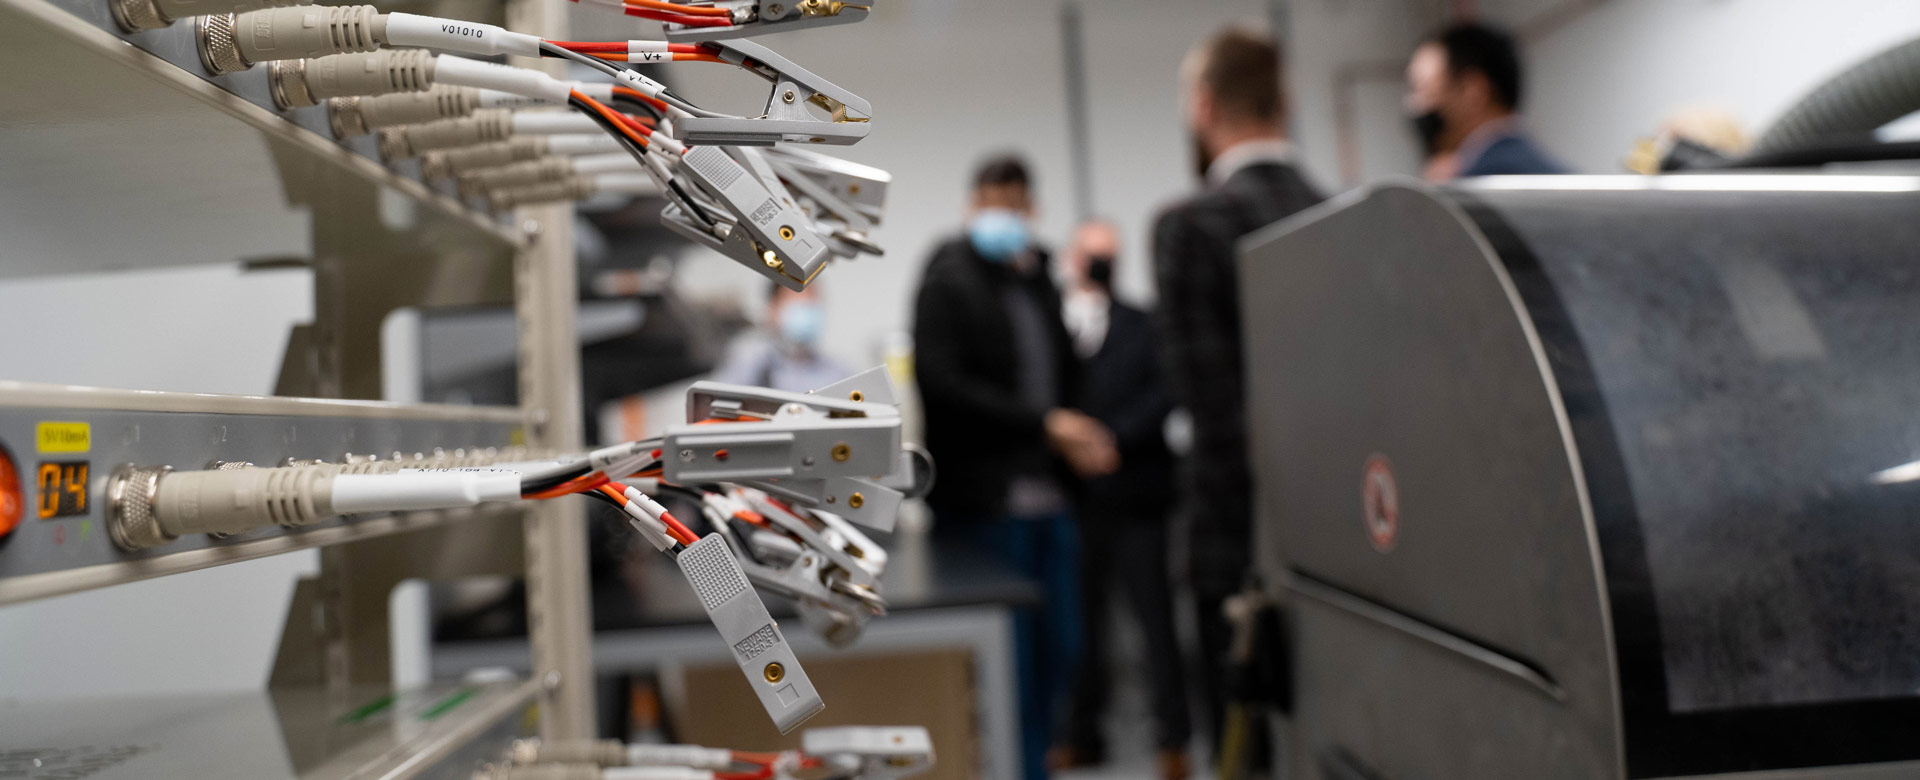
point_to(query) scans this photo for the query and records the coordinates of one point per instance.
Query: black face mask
(1201, 160)
(1100, 270)
(1427, 127)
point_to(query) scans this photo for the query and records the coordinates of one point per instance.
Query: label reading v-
(64, 436)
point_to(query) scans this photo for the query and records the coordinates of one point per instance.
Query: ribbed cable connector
(454, 162)
(356, 116)
(597, 752)
(137, 15)
(234, 42)
(296, 83)
(515, 175)
(407, 142)
(150, 506)
(565, 190)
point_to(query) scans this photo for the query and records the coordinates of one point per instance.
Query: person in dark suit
(1235, 111)
(1124, 515)
(997, 376)
(1463, 92)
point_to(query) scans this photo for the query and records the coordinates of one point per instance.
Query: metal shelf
(441, 732)
(47, 556)
(120, 154)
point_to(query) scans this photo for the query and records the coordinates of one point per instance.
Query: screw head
(856, 396)
(686, 456)
(787, 96)
(841, 452)
(774, 672)
(856, 500)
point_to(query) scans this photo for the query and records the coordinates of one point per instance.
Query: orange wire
(619, 120)
(617, 495)
(690, 10)
(569, 487)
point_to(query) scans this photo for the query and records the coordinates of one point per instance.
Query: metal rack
(122, 153)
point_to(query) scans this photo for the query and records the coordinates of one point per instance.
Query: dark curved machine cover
(1595, 478)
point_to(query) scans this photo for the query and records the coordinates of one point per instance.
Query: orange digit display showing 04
(63, 488)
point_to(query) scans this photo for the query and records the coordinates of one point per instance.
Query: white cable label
(404, 29)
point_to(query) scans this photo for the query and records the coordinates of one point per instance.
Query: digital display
(63, 488)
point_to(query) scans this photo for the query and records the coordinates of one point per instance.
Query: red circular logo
(1380, 496)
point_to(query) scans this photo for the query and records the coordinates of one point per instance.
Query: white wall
(1610, 76)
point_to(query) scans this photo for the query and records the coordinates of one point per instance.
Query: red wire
(681, 532)
(689, 10)
(690, 21)
(587, 46)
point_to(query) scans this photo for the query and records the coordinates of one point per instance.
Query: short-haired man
(1235, 110)
(998, 378)
(1463, 94)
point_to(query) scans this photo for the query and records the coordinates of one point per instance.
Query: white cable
(617, 162)
(693, 756)
(654, 773)
(413, 490)
(636, 183)
(552, 123)
(574, 144)
(525, 82)
(404, 29)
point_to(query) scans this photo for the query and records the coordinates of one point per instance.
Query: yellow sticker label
(64, 436)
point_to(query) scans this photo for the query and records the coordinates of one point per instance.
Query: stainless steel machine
(1595, 477)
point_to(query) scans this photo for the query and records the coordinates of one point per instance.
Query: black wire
(634, 102)
(618, 135)
(596, 494)
(555, 480)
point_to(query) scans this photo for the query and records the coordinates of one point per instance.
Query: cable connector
(485, 126)
(230, 43)
(234, 42)
(150, 506)
(306, 82)
(454, 162)
(571, 189)
(349, 117)
(138, 15)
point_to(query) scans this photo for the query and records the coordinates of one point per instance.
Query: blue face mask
(999, 235)
(801, 323)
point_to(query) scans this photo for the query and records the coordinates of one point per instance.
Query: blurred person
(1124, 515)
(1463, 93)
(997, 375)
(1235, 110)
(785, 353)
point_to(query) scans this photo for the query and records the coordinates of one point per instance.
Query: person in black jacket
(997, 374)
(1235, 113)
(1123, 515)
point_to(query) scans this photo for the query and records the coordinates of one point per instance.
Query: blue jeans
(1047, 636)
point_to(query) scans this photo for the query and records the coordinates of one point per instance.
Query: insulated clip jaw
(787, 117)
(738, 433)
(765, 17)
(845, 199)
(768, 232)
